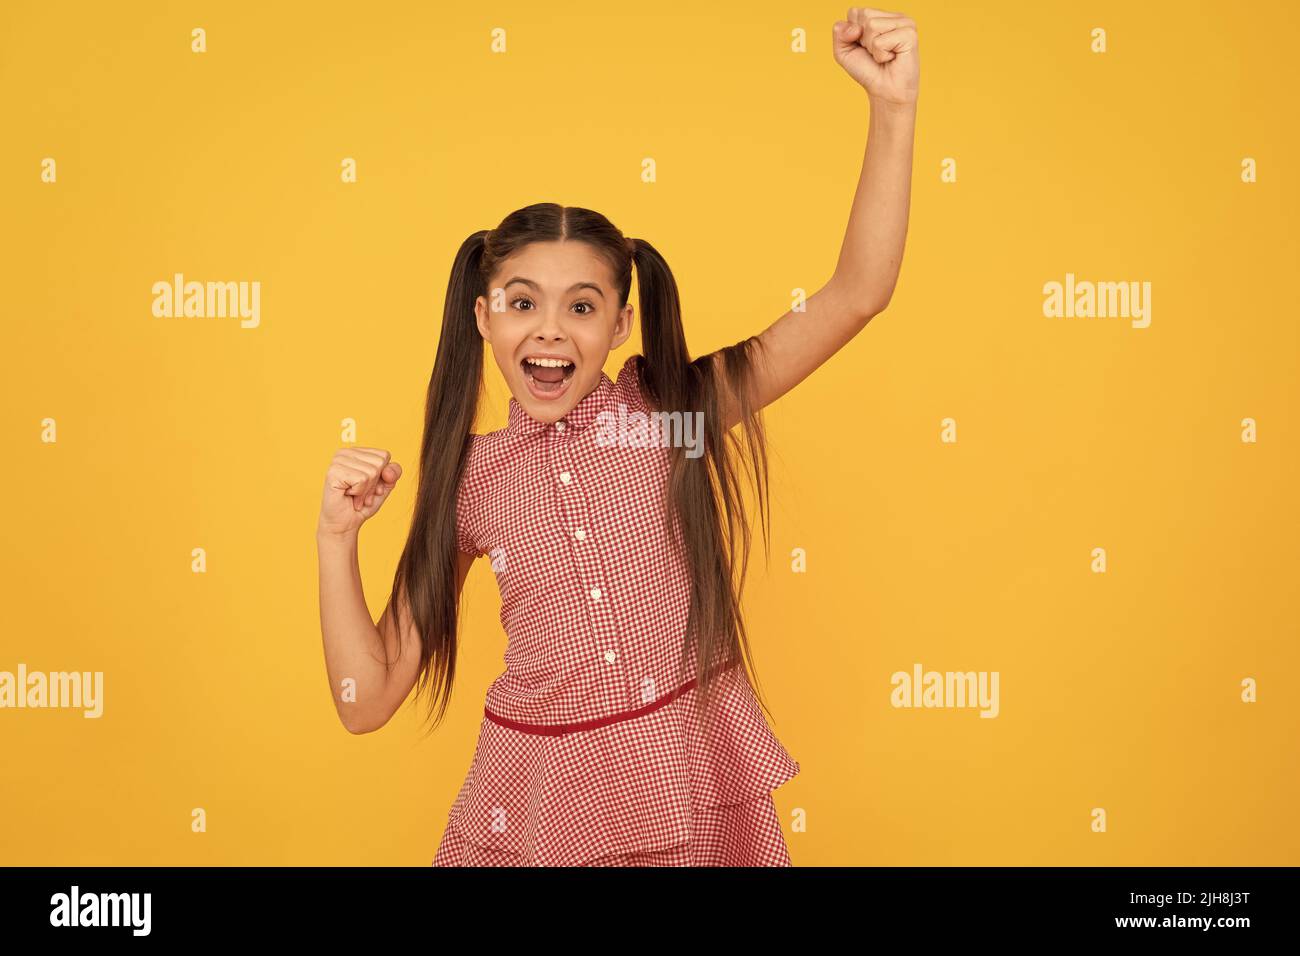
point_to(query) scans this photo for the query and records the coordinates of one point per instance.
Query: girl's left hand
(878, 49)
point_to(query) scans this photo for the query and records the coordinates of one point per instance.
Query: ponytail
(705, 494)
(427, 570)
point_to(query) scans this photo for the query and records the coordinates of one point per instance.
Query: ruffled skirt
(744, 834)
(650, 790)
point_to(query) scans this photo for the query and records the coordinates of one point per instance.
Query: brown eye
(516, 302)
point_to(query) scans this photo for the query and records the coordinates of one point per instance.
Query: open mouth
(547, 377)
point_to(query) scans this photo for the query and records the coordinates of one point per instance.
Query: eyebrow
(573, 288)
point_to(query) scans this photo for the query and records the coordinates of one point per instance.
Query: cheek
(506, 362)
(593, 345)
(506, 348)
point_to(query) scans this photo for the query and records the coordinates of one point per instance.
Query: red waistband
(555, 730)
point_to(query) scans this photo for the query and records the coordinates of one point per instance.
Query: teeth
(549, 362)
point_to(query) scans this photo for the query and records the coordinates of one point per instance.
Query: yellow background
(1118, 690)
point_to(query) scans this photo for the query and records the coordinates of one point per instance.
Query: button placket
(591, 574)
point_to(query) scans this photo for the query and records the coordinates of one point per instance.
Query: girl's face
(551, 315)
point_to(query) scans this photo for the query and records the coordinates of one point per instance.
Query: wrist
(336, 539)
(892, 109)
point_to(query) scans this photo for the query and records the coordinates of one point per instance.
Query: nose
(549, 329)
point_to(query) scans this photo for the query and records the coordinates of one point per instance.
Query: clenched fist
(878, 49)
(356, 485)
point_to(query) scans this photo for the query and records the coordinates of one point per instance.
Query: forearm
(353, 646)
(872, 253)
(878, 49)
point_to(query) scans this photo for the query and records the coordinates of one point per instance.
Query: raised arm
(879, 50)
(357, 647)
(357, 483)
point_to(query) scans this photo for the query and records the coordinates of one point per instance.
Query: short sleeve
(467, 519)
(628, 386)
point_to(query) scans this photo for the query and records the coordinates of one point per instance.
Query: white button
(580, 535)
(559, 426)
(565, 477)
(595, 594)
(610, 655)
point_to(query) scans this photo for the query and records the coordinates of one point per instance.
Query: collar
(578, 418)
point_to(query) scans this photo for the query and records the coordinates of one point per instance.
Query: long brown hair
(705, 507)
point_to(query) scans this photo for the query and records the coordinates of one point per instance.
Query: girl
(623, 730)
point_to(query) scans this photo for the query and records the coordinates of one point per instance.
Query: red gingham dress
(590, 752)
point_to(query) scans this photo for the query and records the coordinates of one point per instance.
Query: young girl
(624, 730)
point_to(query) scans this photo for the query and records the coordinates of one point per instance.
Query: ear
(481, 317)
(622, 327)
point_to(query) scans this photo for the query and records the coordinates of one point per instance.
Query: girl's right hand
(356, 485)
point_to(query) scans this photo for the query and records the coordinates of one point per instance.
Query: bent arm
(356, 649)
(871, 256)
